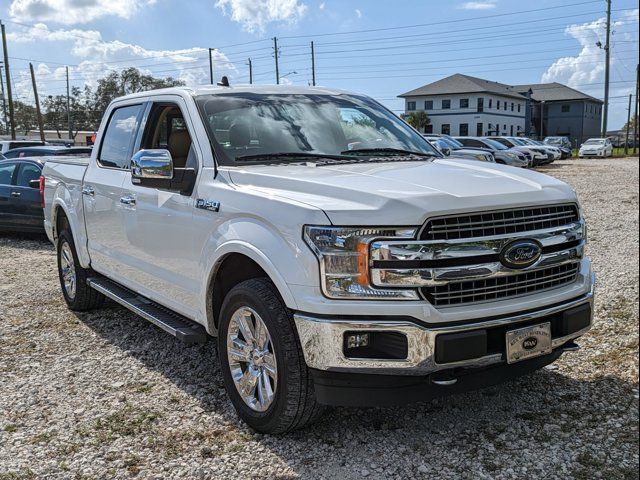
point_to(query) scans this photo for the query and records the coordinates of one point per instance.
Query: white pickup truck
(336, 256)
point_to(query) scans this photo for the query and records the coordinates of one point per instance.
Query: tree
(25, 117)
(418, 120)
(632, 124)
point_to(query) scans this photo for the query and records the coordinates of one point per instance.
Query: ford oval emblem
(529, 343)
(520, 253)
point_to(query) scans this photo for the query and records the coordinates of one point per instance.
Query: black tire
(294, 405)
(83, 297)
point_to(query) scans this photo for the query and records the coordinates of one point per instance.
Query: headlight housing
(343, 254)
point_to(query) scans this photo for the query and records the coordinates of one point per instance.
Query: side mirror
(35, 183)
(446, 151)
(155, 164)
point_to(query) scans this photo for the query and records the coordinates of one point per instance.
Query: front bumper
(322, 339)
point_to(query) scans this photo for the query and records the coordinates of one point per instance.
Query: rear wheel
(73, 278)
(262, 364)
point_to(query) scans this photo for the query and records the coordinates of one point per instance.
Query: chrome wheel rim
(252, 359)
(68, 270)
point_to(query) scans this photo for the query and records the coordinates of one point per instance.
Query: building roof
(550, 92)
(459, 83)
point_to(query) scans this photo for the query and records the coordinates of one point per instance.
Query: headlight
(511, 155)
(343, 254)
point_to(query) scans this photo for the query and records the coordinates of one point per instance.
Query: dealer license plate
(528, 342)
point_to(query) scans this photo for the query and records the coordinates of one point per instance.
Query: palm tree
(418, 120)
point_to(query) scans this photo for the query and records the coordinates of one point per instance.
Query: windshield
(594, 141)
(250, 125)
(553, 140)
(452, 142)
(495, 145)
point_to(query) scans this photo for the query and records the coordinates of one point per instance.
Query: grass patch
(22, 474)
(42, 437)
(10, 428)
(126, 422)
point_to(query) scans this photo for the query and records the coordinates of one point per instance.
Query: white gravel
(107, 395)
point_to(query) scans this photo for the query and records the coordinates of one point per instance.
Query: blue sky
(376, 47)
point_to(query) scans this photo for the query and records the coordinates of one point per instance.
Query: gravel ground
(107, 395)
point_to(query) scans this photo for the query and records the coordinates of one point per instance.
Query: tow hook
(444, 380)
(570, 347)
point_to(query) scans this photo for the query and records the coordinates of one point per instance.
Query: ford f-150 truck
(336, 256)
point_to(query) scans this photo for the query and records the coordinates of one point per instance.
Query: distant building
(465, 105)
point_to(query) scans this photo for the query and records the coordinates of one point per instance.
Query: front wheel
(262, 364)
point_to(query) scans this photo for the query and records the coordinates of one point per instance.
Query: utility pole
(71, 137)
(626, 140)
(8, 74)
(35, 94)
(4, 103)
(313, 66)
(275, 52)
(211, 64)
(541, 118)
(606, 72)
(635, 116)
(250, 72)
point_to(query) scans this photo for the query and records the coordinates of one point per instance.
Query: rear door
(7, 207)
(26, 198)
(102, 191)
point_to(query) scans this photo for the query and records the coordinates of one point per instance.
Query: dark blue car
(20, 195)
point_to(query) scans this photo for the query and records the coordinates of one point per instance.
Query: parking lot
(106, 394)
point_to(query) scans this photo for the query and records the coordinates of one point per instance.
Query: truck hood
(402, 193)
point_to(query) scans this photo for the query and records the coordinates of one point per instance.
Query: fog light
(356, 340)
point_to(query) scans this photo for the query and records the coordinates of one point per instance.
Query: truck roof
(262, 89)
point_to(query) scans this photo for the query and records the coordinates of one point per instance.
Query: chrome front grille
(500, 222)
(458, 260)
(476, 291)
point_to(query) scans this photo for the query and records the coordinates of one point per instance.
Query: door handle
(128, 200)
(88, 190)
(15, 194)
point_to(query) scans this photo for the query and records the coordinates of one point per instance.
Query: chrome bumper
(322, 341)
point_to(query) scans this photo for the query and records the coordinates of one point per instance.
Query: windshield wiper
(386, 152)
(293, 156)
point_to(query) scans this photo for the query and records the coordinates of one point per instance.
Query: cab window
(117, 143)
(6, 172)
(166, 129)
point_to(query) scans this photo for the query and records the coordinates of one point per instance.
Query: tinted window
(428, 104)
(446, 104)
(411, 105)
(118, 139)
(6, 172)
(566, 108)
(464, 129)
(28, 172)
(446, 129)
(464, 103)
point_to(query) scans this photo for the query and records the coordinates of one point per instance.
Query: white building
(464, 105)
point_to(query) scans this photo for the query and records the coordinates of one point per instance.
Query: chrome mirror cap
(153, 163)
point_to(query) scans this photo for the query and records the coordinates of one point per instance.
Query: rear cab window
(6, 172)
(116, 147)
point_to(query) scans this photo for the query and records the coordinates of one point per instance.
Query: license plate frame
(528, 342)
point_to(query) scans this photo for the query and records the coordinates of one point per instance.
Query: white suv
(596, 147)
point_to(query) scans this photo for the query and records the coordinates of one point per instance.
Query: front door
(26, 196)
(102, 192)
(163, 243)
(7, 207)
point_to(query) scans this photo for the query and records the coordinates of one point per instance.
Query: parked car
(554, 151)
(20, 196)
(6, 145)
(337, 257)
(538, 155)
(449, 146)
(563, 143)
(501, 153)
(49, 150)
(596, 147)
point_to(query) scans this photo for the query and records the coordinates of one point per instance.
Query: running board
(180, 327)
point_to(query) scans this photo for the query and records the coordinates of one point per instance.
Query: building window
(446, 129)
(464, 129)
(519, 128)
(490, 102)
(411, 106)
(565, 108)
(498, 104)
(505, 105)
(511, 130)
(504, 127)
(428, 104)
(600, 111)
(428, 128)
(446, 104)
(591, 108)
(480, 104)
(464, 103)
(518, 108)
(512, 106)
(479, 128)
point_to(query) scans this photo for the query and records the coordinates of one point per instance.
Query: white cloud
(358, 13)
(480, 5)
(96, 58)
(322, 6)
(255, 15)
(588, 65)
(69, 12)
